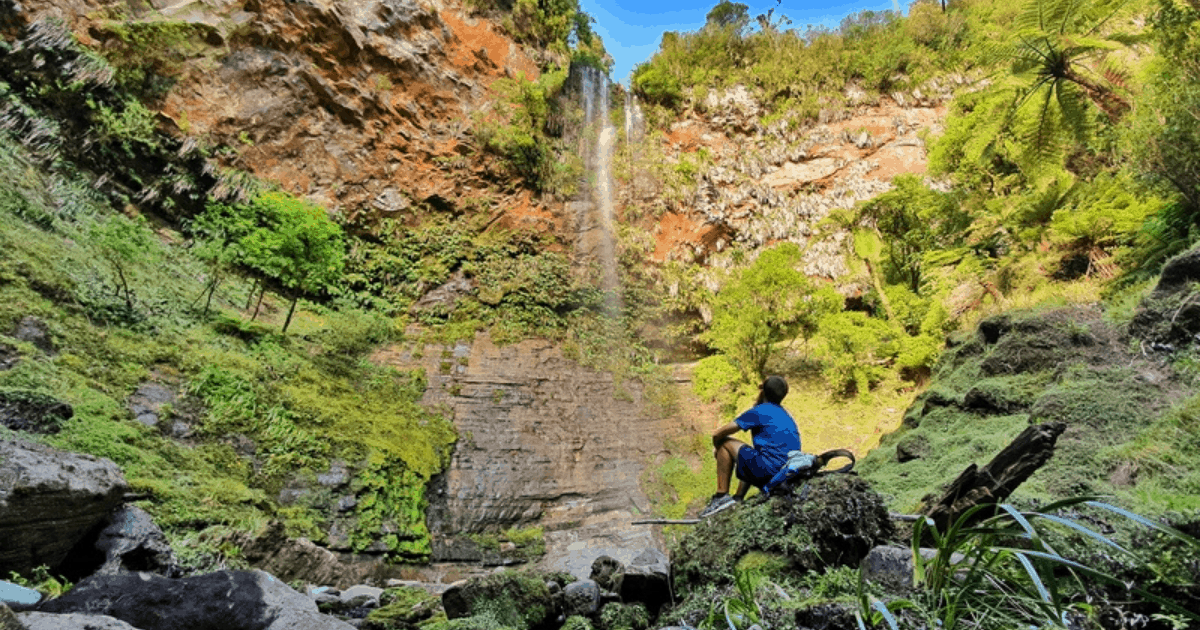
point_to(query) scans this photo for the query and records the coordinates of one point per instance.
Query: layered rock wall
(543, 441)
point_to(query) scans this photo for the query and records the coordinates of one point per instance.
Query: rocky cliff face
(760, 184)
(542, 441)
(365, 107)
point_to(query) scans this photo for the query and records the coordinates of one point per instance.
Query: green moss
(505, 599)
(403, 608)
(834, 522)
(617, 616)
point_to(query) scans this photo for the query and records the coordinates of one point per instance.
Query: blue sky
(632, 29)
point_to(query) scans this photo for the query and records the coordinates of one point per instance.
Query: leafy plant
(765, 304)
(123, 241)
(1003, 570)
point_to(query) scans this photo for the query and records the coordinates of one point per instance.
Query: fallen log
(999, 478)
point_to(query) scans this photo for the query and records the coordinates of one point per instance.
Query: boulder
(224, 600)
(581, 598)
(646, 579)
(132, 542)
(509, 598)
(605, 570)
(50, 500)
(892, 567)
(9, 621)
(292, 559)
(33, 330)
(834, 520)
(70, 621)
(33, 412)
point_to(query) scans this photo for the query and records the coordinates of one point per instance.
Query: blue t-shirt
(774, 432)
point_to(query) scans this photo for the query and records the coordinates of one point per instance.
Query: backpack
(802, 466)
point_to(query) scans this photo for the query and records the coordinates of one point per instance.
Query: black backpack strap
(824, 458)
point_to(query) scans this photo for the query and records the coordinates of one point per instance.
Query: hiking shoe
(718, 504)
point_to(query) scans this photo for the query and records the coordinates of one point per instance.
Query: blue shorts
(752, 468)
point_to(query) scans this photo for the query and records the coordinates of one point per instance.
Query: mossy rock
(616, 616)
(405, 607)
(834, 522)
(508, 599)
(912, 446)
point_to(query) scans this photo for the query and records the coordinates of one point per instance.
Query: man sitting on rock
(775, 435)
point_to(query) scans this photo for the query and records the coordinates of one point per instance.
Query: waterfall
(597, 222)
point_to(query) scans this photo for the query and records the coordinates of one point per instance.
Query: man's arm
(724, 433)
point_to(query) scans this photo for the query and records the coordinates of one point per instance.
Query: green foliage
(618, 616)
(728, 14)
(149, 57)
(799, 73)
(1164, 137)
(913, 220)
(1005, 571)
(764, 304)
(391, 500)
(856, 350)
(122, 242)
(516, 132)
(40, 579)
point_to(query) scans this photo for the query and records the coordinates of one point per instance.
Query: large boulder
(72, 621)
(508, 598)
(50, 501)
(833, 521)
(646, 579)
(132, 542)
(224, 600)
(1169, 318)
(292, 559)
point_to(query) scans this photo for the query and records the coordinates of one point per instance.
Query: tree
(1166, 132)
(123, 241)
(731, 15)
(294, 243)
(1056, 61)
(912, 219)
(764, 304)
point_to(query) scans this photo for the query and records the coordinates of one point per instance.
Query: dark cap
(774, 389)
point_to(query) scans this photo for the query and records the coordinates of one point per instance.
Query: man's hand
(724, 433)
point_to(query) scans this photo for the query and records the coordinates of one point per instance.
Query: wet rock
(581, 598)
(70, 621)
(49, 501)
(33, 330)
(646, 579)
(224, 600)
(132, 542)
(33, 412)
(826, 617)
(146, 404)
(605, 571)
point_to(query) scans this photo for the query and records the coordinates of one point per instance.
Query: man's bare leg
(726, 454)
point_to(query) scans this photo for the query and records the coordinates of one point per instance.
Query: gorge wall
(542, 441)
